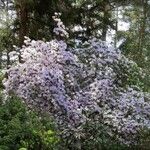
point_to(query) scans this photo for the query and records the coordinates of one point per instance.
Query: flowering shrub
(76, 85)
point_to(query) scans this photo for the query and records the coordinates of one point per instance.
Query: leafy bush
(20, 128)
(1, 79)
(93, 136)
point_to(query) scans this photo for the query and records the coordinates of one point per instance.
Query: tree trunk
(115, 40)
(142, 27)
(22, 15)
(8, 59)
(0, 59)
(106, 16)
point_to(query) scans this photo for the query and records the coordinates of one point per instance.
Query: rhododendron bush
(83, 83)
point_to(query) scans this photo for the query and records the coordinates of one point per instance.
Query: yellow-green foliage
(24, 130)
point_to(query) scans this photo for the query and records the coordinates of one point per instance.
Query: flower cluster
(60, 29)
(79, 84)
